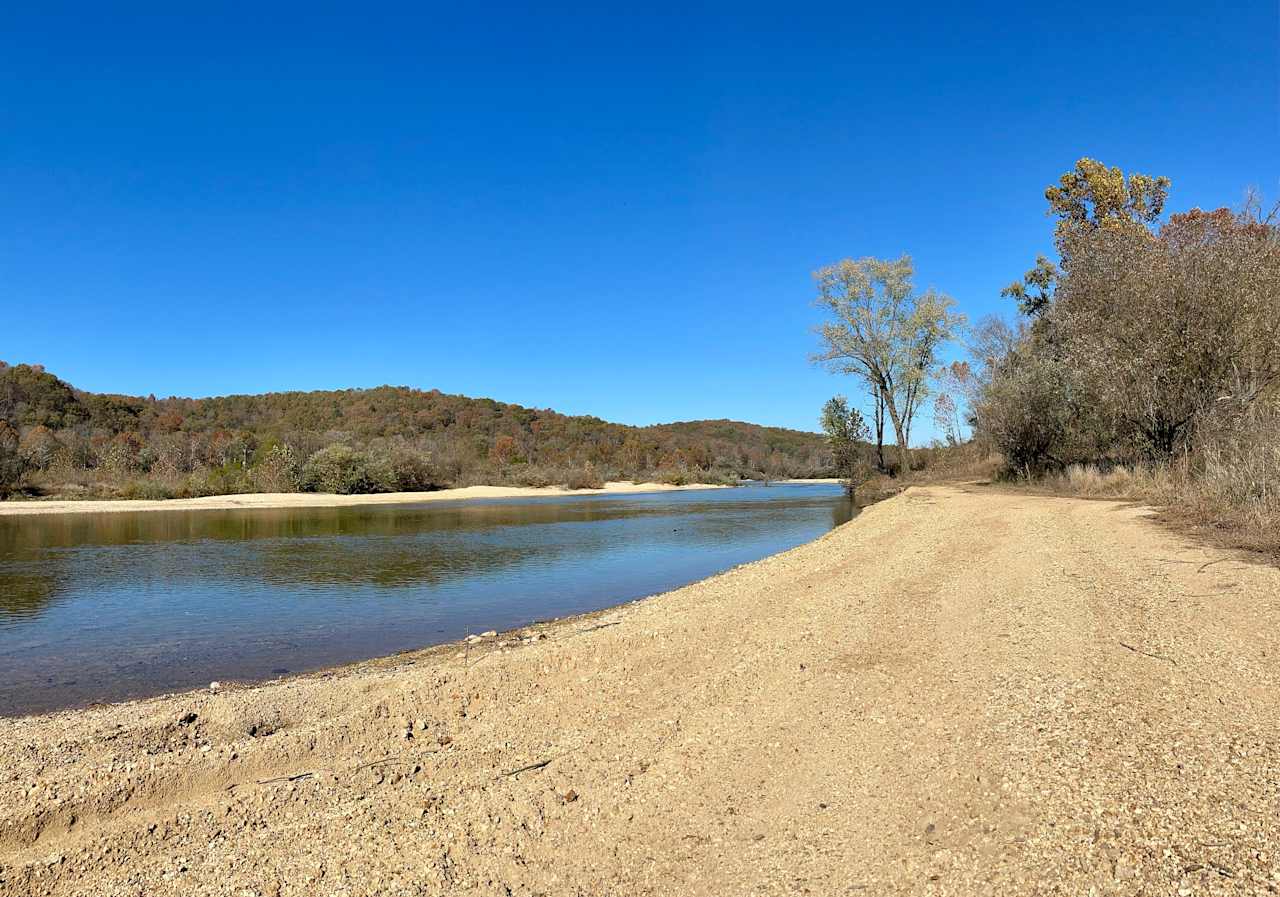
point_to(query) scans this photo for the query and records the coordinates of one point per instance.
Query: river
(109, 606)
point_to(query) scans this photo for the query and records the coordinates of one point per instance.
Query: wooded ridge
(56, 439)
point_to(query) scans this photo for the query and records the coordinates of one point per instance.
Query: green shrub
(412, 472)
(717, 477)
(343, 470)
(673, 476)
(227, 479)
(1026, 413)
(149, 490)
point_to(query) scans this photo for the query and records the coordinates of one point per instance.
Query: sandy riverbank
(326, 500)
(959, 692)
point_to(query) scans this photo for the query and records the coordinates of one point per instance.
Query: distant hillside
(389, 437)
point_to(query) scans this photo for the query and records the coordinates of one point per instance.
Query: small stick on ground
(1148, 653)
(531, 767)
(396, 758)
(541, 763)
(1210, 867)
(601, 626)
(293, 778)
(1211, 563)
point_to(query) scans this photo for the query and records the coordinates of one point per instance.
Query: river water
(108, 606)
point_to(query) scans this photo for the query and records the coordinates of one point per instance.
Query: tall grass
(1098, 481)
(1238, 481)
(1228, 481)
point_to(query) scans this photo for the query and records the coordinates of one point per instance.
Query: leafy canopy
(1092, 196)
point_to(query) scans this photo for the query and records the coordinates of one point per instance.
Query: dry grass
(969, 461)
(1091, 481)
(1227, 487)
(933, 466)
(1236, 485)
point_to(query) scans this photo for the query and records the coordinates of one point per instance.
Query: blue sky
(614, 213)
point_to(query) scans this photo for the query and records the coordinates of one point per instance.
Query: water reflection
(25, 594)
(104, 606)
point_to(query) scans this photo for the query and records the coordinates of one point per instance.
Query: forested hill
(235, 443)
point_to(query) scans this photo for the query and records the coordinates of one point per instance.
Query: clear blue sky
(613, 213)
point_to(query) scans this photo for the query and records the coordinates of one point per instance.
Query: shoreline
(471, 649)
(279, 500)
(708, 730)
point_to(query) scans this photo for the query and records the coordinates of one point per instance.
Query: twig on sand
(309, 773)
(1210, 867)
(291, 778)
(397, 758)
(543, 763)
(1148, 653)
(1211, 563)
(601, 626)
(373, 763)
(531, 767)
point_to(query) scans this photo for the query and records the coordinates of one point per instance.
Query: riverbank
(960, 691)
(325, 499)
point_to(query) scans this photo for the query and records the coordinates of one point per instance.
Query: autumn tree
(1093, 197)
(632, 455)
(1140, 334)
(1165, 328)
(1090, 197)
(39, 447)
(885, 332)
(504, 450)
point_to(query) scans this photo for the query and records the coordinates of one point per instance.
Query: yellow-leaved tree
(885, 332)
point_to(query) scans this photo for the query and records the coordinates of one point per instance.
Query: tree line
(1144, 341)
(1148, 351)
(55, 439)
(1150, 348)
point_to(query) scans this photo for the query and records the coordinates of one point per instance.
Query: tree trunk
(910, 407)
(904, 456)
(880, 428)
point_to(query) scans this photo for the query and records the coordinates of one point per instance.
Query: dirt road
(960, 692)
